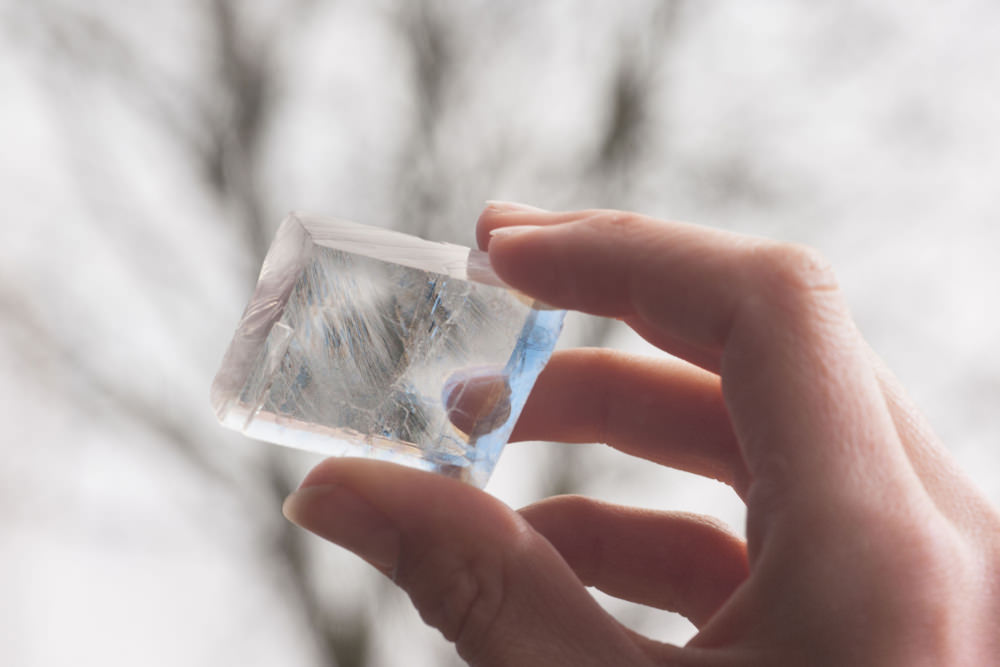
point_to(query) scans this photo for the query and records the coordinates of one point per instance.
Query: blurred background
(149, 151)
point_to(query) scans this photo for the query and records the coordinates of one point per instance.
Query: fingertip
(391, 487)
(339, 515)
(498, 214)
(477, 399)
(290, 507)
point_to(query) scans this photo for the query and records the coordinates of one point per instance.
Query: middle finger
(663, 410)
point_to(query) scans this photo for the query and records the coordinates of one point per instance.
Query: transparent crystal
(362, 341)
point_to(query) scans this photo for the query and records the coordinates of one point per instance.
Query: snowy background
(149, 151)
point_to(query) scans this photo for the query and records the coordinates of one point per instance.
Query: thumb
(473, 568)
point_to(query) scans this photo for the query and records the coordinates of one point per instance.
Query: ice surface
(366, 342)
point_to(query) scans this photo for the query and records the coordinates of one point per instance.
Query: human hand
(865, 544)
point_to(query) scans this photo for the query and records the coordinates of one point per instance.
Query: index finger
(804, 401)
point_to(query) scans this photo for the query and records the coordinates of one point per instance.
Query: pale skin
(865, 544)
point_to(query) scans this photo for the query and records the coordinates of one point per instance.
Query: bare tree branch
(224, 123)
(421, 174)
(34, 338)
(232, 155)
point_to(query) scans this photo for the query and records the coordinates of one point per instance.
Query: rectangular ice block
(362, 341)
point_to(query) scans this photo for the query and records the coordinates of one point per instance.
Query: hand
(865, 544)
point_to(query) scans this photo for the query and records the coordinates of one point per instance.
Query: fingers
(473, 568)
(679, 562)
(663, 410)
(478, 399)
(804, 402)
(511, 210)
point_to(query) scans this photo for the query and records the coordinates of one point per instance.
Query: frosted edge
(278, 274)
(448, 259)
(389, 245)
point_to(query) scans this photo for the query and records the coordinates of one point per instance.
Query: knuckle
(794, 269)
(930, 554)
(795, 265)
(614, 223)
(767, 497)
(573, 506)
(460, 594)
(792, 284)
(928, 584)
(469, 603)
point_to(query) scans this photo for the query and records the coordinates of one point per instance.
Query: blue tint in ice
(353, 335)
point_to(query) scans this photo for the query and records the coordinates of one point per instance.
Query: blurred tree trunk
(223, 117)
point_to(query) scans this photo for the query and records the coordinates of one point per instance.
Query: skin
(866, 545)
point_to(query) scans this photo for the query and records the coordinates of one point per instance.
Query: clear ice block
(362, 341)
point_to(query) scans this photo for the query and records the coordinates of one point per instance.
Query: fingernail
(341, 516)
(470, 376)
(507, 232)
(511, 207)
(478, 399)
